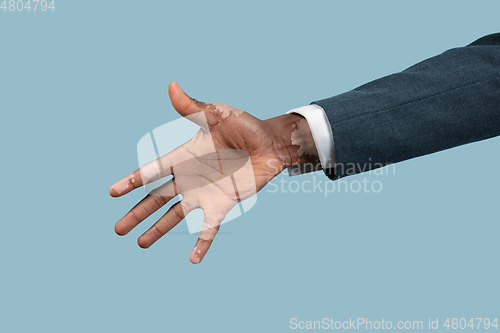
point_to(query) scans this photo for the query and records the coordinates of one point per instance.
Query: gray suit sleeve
(443, 102)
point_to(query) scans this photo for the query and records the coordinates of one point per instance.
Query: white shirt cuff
(322, 134)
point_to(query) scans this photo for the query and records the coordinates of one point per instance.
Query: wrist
(294, 141)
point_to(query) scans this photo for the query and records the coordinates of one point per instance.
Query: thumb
(181, 102)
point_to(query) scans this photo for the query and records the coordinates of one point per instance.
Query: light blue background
(81, 85)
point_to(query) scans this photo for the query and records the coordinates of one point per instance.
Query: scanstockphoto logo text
(372, 182)
(365, 324)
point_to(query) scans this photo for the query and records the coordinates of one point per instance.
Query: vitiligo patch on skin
(123, 185)
(150, 171)
(219, 110)
(226, 110)
(196, 254)
(305, 145)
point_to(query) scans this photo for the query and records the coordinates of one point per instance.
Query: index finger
(148, 173)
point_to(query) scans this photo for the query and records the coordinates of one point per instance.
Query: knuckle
(157, 231)
(178, 211)
(159, 200)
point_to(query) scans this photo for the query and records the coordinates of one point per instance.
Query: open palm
(232, 156)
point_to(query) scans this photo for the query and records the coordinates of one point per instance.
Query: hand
(231, 146)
